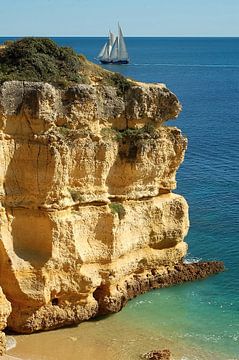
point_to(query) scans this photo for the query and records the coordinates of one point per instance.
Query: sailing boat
(114, 50)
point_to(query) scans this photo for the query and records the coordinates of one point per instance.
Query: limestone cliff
(87, 209)
(5, 310)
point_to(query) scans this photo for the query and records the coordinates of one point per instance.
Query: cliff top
(41, 59)
(57, 86)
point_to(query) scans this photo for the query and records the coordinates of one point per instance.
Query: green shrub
(64, 130)
(120, 82)
(108, 133)
(131, 141)
(39, 59)
(117, 208)
(146, 132)
(8, 42)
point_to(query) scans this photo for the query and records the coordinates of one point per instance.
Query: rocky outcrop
(112, 299)
(157, 355)
(5, 309)
(86, 180)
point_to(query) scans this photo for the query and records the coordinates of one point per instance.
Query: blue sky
(137, 17)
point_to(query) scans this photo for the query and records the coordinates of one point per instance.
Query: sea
(198, 320)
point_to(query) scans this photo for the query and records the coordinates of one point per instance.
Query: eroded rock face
(86, 180)
(5, 310)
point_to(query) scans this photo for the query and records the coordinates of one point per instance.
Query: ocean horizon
(198, 320)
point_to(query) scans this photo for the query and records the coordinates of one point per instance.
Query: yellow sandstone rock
(86, 180)
(5, 309)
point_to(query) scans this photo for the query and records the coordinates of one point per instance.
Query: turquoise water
(204, 73)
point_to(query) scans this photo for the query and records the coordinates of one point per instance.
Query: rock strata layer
(88, 217)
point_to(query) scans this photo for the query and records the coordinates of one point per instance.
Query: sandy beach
(108, 338)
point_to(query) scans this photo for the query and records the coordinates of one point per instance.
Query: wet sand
(108, 338)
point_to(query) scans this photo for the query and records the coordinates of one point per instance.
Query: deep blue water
(204, 73)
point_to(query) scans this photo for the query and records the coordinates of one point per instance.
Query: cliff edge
(88, 216)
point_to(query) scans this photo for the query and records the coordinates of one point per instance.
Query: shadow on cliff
(32, 236)
(31, 229)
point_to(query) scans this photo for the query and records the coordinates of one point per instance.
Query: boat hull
(120, 62)
(105, 62)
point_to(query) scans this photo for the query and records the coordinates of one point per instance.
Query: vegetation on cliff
(38, 59)
(131, 139)
(117, 208)
(41, 59)
(142, 133)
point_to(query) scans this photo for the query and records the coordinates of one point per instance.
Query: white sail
(114, 51)
(106, 54)
(111, 38)
(111, 41)
(102, 51)
(122, 51)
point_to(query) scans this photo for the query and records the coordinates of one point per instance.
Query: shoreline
(141, 283)
(114, 337)
(108, 338)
